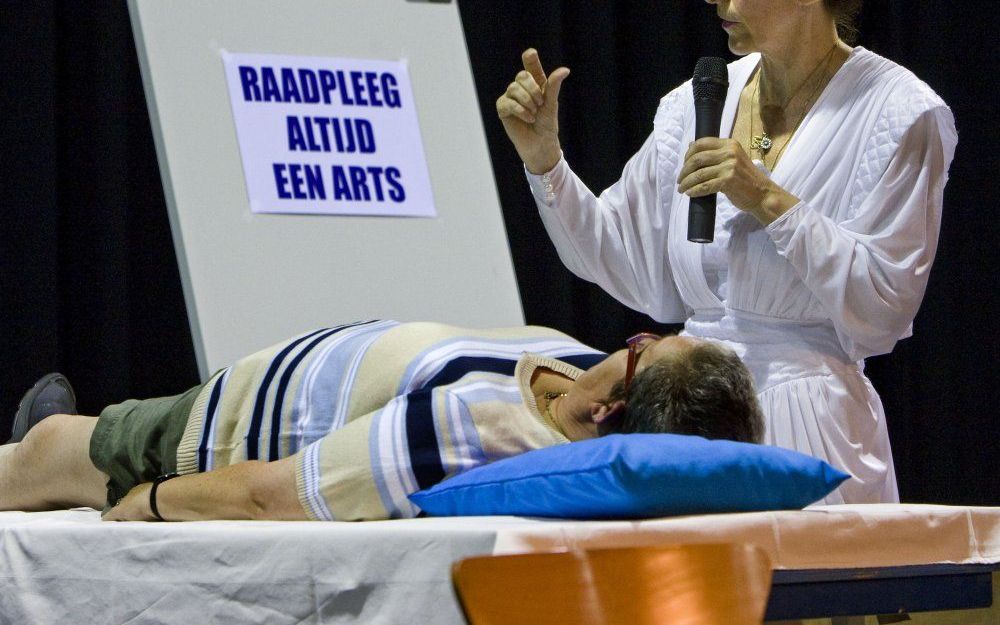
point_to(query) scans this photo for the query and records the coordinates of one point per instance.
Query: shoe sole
(22, 419)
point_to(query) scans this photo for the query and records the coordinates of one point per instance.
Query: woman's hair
(845, 12)
(705, 390)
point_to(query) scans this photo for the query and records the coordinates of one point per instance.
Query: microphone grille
(711, 78)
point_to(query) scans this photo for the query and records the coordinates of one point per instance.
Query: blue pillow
(635, 476)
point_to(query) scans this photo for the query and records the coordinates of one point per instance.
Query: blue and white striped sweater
(376, 410)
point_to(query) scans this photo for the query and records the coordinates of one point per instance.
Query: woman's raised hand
(529, 110)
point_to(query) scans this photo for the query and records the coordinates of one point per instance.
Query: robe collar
(686, 257)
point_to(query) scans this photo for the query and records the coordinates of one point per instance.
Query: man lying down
(344, 423)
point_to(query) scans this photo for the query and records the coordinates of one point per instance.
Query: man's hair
(705, 390)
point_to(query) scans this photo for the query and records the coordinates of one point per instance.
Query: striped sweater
(375, 411)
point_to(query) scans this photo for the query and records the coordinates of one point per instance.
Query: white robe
(804, 300)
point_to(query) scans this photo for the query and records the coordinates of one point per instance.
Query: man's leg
(51, 468)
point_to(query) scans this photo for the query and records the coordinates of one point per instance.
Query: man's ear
(607, 417)
(601, 411)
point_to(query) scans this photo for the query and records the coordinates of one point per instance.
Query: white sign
(328, 136)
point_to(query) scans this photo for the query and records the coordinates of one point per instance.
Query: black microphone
(710, 84)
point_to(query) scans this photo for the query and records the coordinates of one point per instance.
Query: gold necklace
(551, 396)
(763, 142)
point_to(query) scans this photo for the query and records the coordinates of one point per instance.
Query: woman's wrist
(775, 203)
(545, 163)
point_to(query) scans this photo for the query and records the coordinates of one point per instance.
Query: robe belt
(777, 350)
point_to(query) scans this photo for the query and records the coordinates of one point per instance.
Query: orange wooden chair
(677, 585)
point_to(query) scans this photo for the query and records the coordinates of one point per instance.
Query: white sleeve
(617, 240)
(870, 271)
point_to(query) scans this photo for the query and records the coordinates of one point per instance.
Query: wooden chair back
(676, 585)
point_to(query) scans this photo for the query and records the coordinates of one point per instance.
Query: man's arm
(246, 490)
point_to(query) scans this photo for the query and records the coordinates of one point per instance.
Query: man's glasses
(636, 344)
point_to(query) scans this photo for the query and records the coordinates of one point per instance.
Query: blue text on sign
(354, 88)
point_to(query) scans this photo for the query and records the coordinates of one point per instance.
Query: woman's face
(756, 25)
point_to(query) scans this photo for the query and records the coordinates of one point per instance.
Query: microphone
(710, 84)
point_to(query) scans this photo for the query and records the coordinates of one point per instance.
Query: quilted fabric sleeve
(870, 270)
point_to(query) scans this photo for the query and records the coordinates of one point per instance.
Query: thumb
(555, 82)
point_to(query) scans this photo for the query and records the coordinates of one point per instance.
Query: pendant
(762, 143)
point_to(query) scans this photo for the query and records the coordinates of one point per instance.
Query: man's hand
(132, 507)
(529, 110)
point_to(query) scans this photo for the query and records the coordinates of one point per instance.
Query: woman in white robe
(804, 286)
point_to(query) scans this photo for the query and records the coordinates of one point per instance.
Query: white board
(253, 279)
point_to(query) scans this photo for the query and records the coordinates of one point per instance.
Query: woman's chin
(741, 46)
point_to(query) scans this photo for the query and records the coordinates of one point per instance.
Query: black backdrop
(88, 277)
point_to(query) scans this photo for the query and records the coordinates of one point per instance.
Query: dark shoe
(50, 395)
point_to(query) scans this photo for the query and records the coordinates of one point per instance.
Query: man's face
(598, 381)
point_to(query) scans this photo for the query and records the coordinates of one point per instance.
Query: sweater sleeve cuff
(545, 186)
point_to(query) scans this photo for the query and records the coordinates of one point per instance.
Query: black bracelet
(152, 493)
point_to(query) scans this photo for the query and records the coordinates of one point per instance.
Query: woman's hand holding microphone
(529, 110)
